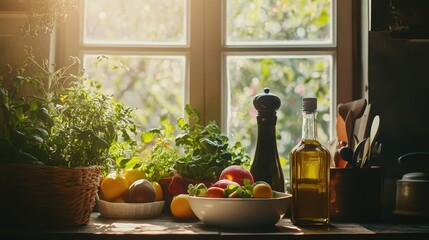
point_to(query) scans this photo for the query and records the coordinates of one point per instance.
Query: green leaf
(147, 136)
(168, 127)
(181, 123)
(199, 190)
(34, 105)
(19, 114)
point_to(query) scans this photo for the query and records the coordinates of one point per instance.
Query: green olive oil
(310, 163)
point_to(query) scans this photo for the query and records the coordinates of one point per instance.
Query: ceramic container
(240, 212)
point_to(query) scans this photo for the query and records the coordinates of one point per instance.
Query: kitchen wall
(13, 42)
(398, 78)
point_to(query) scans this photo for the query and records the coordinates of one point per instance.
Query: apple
(141, 191)
(223, 183)
(236, 173)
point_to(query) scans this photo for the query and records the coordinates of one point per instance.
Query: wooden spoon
(349, 129)
(373, 134)
(341, 130)
(358, 153)
(356, 109)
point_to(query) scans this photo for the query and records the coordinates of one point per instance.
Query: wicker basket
(47, 195)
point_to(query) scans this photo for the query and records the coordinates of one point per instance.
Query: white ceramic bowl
(240, 212)
(129, 210)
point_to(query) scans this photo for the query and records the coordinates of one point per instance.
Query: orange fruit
(262, 190)
(158, 189)
(134, 174)
(113, 186)
(120, 199)
(180, 207)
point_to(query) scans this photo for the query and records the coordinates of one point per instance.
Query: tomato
(215, 192)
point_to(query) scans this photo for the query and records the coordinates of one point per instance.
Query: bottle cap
(309, 104)
(266, 101)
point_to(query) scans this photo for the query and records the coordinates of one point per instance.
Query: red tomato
(215, 192)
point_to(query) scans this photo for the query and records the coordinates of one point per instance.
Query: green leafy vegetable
(192, 149)
(199, 190)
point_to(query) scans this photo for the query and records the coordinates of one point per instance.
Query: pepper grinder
(266, 162)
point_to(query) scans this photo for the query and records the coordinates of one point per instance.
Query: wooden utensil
(365, 153)
(341, 129)
(375, 126)
(349, 129)
(362, 123)
(356, 109)
(358, 151)
(342, 138)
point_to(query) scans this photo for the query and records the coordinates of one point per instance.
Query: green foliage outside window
(158, 95)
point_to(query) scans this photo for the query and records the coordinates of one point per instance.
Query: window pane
(155, 22)
(256, 22)
(290, 78)
(153, 85)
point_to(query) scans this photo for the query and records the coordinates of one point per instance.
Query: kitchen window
(158, 55)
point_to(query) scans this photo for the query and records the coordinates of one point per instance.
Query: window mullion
(212, 61)
(195, 66)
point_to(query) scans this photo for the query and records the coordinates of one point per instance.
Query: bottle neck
(309, 125)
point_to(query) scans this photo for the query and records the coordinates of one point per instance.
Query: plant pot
(46, 195)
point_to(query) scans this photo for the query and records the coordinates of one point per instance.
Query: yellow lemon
(180, 207)
(134, 174)
(120, 199)
(113, 186)
(158, 189)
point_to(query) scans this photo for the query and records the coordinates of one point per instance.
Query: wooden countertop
(166, 227)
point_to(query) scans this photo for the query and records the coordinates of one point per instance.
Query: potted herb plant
(58, 132)
(190, 152)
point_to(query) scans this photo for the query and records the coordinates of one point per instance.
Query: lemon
(180, 207)
(113, 186)
(158, 189)
(134, 174)
(120, 199)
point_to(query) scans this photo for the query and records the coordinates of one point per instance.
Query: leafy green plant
(88, 125)
(193, 150)
(24, 126)
(63, 120)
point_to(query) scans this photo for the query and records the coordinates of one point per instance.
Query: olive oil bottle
(309, 172)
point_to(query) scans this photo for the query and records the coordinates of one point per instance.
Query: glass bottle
(309, 172)
(266, 163)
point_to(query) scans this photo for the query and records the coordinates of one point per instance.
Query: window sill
(166, 227)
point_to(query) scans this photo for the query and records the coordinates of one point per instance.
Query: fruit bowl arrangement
(237, 201)
(240, 212)
(129, 195)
